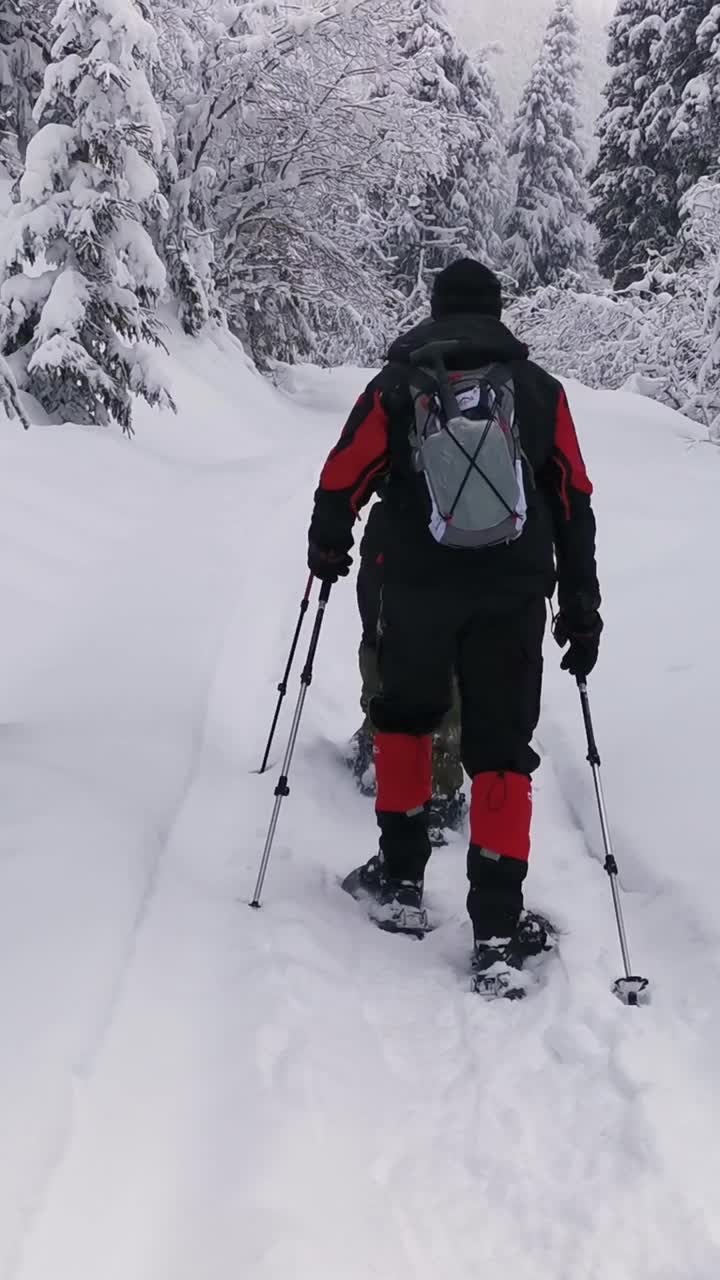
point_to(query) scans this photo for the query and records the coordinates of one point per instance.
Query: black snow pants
(495, 646)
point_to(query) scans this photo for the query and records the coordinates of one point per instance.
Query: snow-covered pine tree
(480, 194)
(82, 278)
(693, 52)
(659, 132)
(417, 210)
(9, 398)
(632, 197)
(189, 245)
(710, 373)
(455, 202)
(547, 232)
(681, 154)
(188, 36)
(24, 51)
(698, 283)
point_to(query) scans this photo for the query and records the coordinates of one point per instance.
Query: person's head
(466, 287)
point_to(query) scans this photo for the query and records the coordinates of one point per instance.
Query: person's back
(481, 611)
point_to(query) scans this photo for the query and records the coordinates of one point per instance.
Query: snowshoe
(360, 761)
(502, 967)
(366, 881)
(395, 906)
(447, 813)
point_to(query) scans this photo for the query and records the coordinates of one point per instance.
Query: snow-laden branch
(9, 397)
(660, 336)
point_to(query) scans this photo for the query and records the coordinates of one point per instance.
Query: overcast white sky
(518, 25)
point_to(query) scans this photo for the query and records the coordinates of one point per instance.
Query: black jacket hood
(481, 337)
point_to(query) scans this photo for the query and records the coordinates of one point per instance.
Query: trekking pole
(282, 687)
(630, 990)
(282, 789)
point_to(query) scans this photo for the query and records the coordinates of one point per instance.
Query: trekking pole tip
(255, 905)
(632, 992)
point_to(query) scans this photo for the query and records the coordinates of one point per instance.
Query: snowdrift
(190, 1089)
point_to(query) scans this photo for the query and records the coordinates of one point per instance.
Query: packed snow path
(190, 1089)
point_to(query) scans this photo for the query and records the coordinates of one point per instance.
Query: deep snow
(190, 1089)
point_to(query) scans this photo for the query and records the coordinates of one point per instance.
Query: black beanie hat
(466, 287)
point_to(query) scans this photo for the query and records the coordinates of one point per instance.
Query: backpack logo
(466, 443)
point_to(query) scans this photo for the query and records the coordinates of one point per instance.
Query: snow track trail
(192, 1089)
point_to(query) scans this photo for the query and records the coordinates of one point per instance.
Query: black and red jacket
(558, 543)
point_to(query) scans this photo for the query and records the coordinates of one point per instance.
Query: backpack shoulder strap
(417, 382)
(429, 362)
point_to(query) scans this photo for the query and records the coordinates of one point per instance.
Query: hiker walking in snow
(448, 804)
(487, 503)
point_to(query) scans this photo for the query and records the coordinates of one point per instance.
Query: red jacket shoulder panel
(361, 453)
(568, 446)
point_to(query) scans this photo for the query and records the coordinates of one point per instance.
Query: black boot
(494, 975)
(498, 962)
(495, 901)
(398, 908)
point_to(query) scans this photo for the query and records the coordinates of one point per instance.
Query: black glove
(328, 566)
(582, 632)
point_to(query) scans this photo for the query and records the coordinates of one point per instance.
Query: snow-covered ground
(193, 1091)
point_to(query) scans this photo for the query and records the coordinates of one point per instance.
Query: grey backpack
(466, 443)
